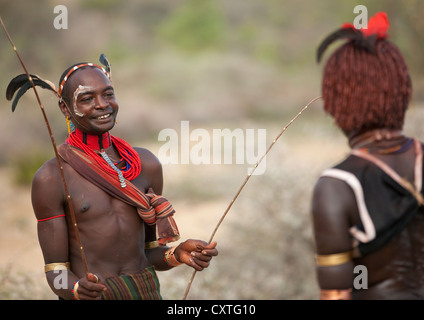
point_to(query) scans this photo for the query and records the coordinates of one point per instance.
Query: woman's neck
(366, 138)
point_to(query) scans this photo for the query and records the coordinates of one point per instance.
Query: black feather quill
(104, 61)
(368, 43)
(22, 84)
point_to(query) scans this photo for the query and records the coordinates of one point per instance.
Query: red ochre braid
(133, 162)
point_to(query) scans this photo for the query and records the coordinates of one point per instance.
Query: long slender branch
(68, 197)
(245, 182)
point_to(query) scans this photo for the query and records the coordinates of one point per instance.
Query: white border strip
(356, 187)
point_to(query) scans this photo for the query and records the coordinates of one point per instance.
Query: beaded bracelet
(75, 290)
(170, 259)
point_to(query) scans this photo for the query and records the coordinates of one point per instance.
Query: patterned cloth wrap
(140, 286)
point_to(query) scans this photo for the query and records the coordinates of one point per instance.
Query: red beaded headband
(76, 68)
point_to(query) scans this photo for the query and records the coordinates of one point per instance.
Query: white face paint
(80, 90)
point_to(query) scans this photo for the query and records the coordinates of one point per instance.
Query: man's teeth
(104, 116)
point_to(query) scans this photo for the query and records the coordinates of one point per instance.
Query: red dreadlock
(366, 84)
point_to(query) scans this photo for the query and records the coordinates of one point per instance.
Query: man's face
(93, 106)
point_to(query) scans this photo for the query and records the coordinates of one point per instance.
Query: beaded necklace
(361, 141)
(399, 148)
(94, 146)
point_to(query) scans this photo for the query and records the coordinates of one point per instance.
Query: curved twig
(245, 182)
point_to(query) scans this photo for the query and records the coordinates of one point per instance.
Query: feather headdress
(22, 84)
(378, 26)
(104, 61)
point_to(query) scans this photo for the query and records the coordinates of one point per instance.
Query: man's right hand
(90, 287)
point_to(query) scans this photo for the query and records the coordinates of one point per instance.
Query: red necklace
(91, 143)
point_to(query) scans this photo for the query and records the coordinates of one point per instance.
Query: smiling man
(123, 222)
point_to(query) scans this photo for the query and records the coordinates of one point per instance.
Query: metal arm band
(57, 266)
(151, 244)
(336, 259)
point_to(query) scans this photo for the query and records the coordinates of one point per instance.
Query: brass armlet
(151, 245)
(57, 266)
(336, 259)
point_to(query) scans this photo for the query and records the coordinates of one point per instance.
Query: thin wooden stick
(68, 197)
(244, 183)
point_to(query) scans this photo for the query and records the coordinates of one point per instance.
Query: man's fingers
(84, 294)
(198, 264)
(197, 253)
(200, 261)
(210, 249)
(201, 256)
(90, 287)
(211, 245)
(92, 278)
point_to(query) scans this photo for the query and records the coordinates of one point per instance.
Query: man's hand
(196, 253)
(90, 287)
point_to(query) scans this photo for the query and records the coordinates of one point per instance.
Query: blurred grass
(20, 285)
(218, 64)
(195, 26)
(25, 165)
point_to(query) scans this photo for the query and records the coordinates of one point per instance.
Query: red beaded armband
(49, 218)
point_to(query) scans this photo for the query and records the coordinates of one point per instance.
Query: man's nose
(101, 102)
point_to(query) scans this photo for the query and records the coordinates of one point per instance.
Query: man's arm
(333, 205)
(195, 253)
(48, 201)
(152, 171)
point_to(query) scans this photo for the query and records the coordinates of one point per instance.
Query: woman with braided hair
(368, 209)
(124, 224)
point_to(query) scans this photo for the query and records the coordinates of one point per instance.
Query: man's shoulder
(48, 169)
(146, 155)
(148, 159)
(143, 151)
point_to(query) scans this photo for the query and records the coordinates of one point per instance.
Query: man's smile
(105, 116)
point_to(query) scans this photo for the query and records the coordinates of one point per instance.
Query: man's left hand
(196, 253)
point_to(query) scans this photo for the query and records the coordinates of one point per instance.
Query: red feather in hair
(377, 25)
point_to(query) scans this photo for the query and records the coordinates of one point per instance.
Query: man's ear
(64, 108)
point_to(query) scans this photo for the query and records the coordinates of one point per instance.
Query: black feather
(15, 84)
(24, 88)
(344, 33)
(368, 43)
(22, 83)
(104, 61)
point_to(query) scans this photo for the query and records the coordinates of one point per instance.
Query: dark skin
(394, 271)
(112, 234)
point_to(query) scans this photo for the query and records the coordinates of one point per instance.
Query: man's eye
(87, 99)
